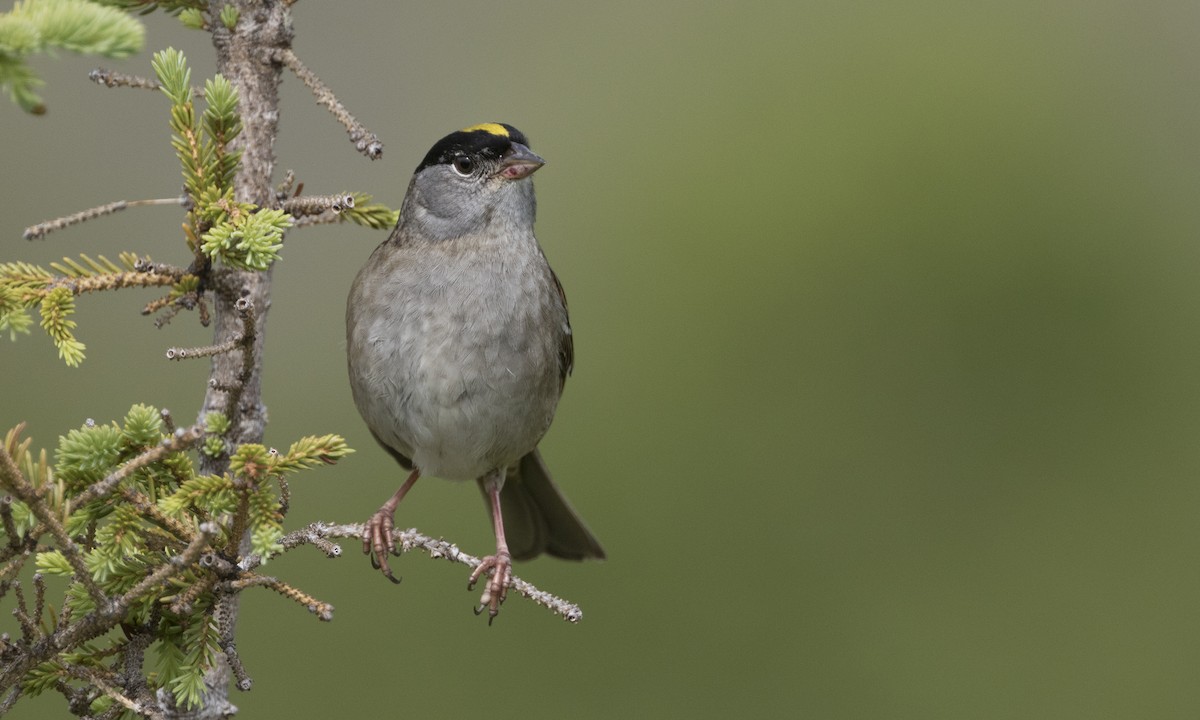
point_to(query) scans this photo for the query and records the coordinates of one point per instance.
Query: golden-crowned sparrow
(459, 344)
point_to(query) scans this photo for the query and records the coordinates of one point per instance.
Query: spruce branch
(376, 216)
(116, 281)
(155, 514)
(307, 452)
(241, 234)
(182, 439)
(57, 305)
(24, 286)
(174, 565)
(14, 481)
(41, 26)
(364, 140)
(145, 7)
(159, 568)
(246, 239)
(229, 16)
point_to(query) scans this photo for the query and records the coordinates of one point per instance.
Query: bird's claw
(496, 588)
(377, 542)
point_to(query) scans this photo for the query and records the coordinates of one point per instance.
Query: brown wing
(404, 461)
(566, 348)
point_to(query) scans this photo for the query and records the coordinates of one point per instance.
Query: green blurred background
(887, 392)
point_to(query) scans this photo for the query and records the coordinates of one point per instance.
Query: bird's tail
(537, 517)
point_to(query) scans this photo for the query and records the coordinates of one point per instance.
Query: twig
(152, 513)
(176, 564)
(245, 309)
(181, 604)
(285, 497)
(103, 683)
(134, 655)
(224, 612)
(322, 610)
(284, 189)
(317, 204)
(6, 518)
(13, 565)
(11, 699)
(112, 79)
(176, 353)
(240, 676)
(114, 281)
(241, 516)
(407, 540)
(168, 420)
(364, 140)
(29, 630)
(39, 231)
(144, 265)
(39, 600)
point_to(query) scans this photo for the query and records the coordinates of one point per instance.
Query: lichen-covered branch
(320, 534)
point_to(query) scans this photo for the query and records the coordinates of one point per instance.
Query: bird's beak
(520, 162)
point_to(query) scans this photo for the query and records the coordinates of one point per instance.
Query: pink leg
(377, 533)
(500, 564)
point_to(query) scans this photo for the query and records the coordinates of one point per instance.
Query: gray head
(469, 180)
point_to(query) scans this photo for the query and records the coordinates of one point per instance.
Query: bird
(458, 346)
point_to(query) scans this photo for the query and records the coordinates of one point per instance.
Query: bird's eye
(464, 165)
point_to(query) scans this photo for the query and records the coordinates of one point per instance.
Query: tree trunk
(243, 57)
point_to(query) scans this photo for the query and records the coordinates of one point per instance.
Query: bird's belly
(465, 407)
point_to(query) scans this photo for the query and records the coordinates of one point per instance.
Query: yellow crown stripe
(492, 128)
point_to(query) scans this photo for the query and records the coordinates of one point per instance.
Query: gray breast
(458, 368)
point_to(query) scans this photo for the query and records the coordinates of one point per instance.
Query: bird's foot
(378, 542)
(496, 588)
